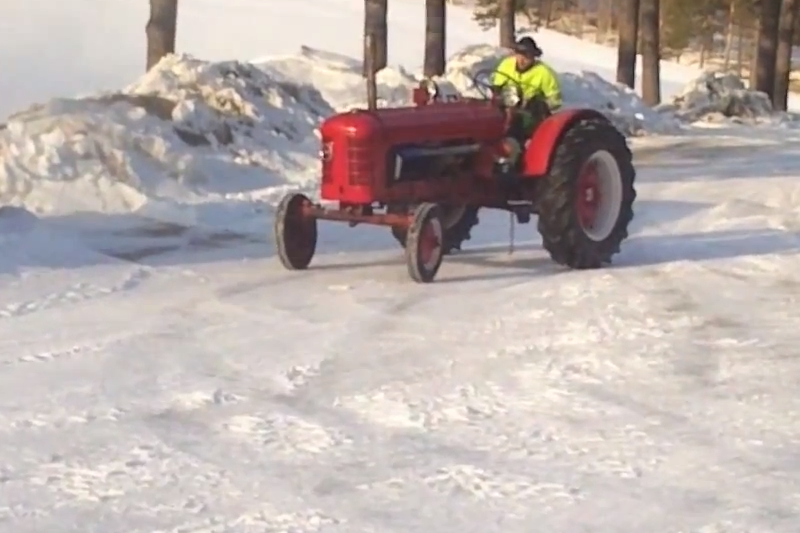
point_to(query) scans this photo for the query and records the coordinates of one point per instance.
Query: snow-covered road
(212, 391)
(183, 382)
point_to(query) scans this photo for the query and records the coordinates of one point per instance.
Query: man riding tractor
(540, 93)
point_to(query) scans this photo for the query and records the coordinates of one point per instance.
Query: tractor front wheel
(295, 234)
(457, 222)
(425, 243)
(587, 198)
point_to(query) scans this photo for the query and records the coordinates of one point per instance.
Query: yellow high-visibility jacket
(539, 80)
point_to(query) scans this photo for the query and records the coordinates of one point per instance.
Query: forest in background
(752, 38)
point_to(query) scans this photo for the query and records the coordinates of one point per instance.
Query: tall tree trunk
(726, 55)
(160, 30)
(435, 37)
(580, 21)
(547, 10)
(783, 56)
(740, 50)
(764, 75)
(605, 14)
(376, 13)
(651, 53)
(507, 22)
(628, 24)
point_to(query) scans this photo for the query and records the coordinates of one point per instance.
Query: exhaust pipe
(369, 60)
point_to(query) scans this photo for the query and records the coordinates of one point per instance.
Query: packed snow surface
(171, 377)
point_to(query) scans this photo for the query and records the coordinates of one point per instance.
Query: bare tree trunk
(726, 55)
(581, 23)
(435, 37)
(161, 30)
(651, 53)
(605, 14)
(376, 13)
(753, 58)
(764, 71)
(507, 22)
(628, 24)
(547, 12)
(739, 50)
(783, 56)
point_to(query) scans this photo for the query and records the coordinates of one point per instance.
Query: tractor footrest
(522, 210)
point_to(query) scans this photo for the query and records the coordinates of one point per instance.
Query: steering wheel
(511, 91)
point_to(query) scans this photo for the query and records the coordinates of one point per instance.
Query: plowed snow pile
(619, 103)
(204, 143)
(717, 97)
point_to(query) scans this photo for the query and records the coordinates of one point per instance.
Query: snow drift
(188, 131)
(197, 143)
(619, 103)
(721, 97)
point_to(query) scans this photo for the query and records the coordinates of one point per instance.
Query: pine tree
(651, 52)
(161, 30)
(376, 14)
(435, 37)
(763, 75)
(783, 55)
(486, 13)
(628, 24)
(508, 30)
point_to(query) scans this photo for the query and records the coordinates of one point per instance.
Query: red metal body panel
(356, 146)
(543, 142)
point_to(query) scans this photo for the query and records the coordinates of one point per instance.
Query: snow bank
(188, 131)
(587, 89)
(720, 97)
(199, 143)
(339, 80)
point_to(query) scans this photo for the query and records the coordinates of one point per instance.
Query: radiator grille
(359, 163)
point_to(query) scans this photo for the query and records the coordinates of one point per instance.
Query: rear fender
(545, 139)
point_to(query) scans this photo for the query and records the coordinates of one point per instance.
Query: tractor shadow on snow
(344, 249)
(643, 251)
(486, 258)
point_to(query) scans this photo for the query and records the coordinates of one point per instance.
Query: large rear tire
(587, 198)
(295, 234)
(457, 221)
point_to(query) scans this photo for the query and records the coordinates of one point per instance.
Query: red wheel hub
(587, 195)
(428, 243)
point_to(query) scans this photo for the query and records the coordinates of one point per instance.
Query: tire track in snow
(246, 418)
(74, 294)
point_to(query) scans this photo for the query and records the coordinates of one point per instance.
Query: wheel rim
(430, 243)
(598, 195)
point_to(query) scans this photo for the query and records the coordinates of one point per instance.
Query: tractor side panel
(408, 154)
(545, 139)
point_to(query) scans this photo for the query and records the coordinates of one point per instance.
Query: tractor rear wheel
(457, 222)
(295, 234)
(424, 243)
(587, 198)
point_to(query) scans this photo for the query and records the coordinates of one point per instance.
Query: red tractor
(426, 170)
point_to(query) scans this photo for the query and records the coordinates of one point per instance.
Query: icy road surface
(205, 392)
